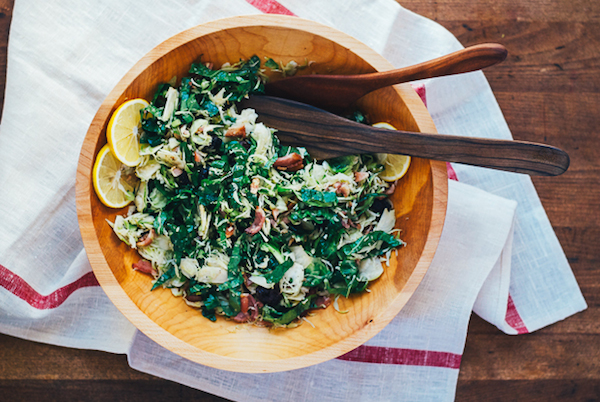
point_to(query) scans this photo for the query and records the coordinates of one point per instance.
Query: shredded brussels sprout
(238, 224)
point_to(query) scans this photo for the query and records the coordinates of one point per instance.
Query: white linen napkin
(415, 358)
(498, 254)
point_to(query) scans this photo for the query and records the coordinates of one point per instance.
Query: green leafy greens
(234, 235)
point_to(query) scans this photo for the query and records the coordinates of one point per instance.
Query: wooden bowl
(420, 202)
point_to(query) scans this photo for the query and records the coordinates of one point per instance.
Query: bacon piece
(197, 157)
(295, 167)
(146, 239)
(243, 314)
(249, 309)
(360, 176)
(259, 220)
(342, 188)
(253, 308)
(241, 317)
(275, 213)
(291, 162)
(254, 185)
(229, 230)
(348, 223)
(236, 132)
(176, 172)
(323, 301)
(145, 267)
(193, 298)
(391, 189)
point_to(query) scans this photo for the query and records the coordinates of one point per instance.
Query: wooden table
(549, 91)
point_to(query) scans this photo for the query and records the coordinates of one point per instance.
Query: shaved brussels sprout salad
(241, 226)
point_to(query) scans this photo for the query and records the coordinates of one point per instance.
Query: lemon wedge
(395, 166)
(114, 186)
(123, 131)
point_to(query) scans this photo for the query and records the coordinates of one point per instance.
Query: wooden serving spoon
(326, 135)
(337, 92)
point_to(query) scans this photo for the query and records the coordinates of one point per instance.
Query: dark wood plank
(21, 359)
(447, 11)
(539, 356)
(578, 242)
(530, 391)
(35, 371)
(549, 91)
(581, 192)
(61, 390)
(563, 120)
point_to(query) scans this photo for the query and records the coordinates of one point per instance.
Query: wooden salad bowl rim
(219, 344)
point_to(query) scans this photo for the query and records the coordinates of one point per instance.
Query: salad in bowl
(237, 224)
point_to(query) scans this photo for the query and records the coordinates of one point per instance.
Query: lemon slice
(395, 166)
(113, 184)
(123, 131)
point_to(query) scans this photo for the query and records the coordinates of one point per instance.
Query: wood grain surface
(549, 91)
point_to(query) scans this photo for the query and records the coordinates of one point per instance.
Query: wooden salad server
(326, 135)
(336, 93)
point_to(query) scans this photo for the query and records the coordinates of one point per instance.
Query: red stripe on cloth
(451, 173)
(513, 318)
(20, 288)
(270, 7)
(407, 357)
(420, 90)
